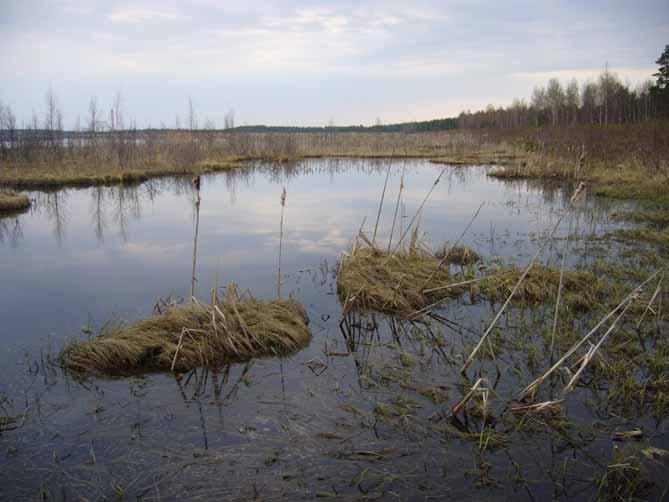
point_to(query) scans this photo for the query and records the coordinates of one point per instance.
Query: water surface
(293, 428)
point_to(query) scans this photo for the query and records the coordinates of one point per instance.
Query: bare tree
(229, 119)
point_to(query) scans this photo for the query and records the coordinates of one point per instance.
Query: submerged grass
(195, 335)
(12, 201)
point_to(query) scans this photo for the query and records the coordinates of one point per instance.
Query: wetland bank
(376, 405)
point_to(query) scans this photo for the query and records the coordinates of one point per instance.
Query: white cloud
(140, 15)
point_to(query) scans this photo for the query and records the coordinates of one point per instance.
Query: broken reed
(182, 337)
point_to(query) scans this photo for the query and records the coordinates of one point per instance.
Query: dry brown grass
(195, 335)
(582, 290)
(401, 283)
(12, 201)
(80, 173)
(620, 161)
(390, 282)
(457, 255)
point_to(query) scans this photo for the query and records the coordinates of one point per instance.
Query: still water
(301, 427)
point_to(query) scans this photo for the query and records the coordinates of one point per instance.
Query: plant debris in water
(184, 337)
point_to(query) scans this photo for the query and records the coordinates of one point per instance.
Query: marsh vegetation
(373, 401)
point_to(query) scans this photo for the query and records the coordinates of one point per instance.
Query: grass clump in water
(582, 290)
(650, 235)
(390, 282)
(12, 201)
(458, 255)
(189, 336)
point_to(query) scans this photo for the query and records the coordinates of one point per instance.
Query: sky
(301, 62)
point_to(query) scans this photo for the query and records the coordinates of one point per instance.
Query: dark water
(296, 428)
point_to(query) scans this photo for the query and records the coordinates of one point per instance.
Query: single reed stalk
(560, 284)
(420, 208)
(469, 360)
(447, 254)
(357, 236)
(176, 352)
(397, 206)
(531, 388)
(537, 407)
(278, 279)
(658, 289)
(461, 404)
(593, 350)
(196, 184)
(383, 196)
(449, 286)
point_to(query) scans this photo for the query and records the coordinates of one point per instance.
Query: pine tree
(661, 88)
(663, 73)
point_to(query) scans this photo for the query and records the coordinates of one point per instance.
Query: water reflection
(119, 207)
(294, 427)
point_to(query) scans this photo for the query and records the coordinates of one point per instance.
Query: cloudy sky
(301, 62)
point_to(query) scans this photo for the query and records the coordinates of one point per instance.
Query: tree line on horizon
(607, 100)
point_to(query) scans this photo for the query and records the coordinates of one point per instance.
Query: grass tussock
(651, 235)
(457, 255)
(410, 280)
(11, 201)
(656, 216)
(581, 289)
(196, 335)
(390, 282)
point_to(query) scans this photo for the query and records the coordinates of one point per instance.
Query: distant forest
(607, 100)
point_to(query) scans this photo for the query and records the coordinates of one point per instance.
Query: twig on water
(462, 403)
(278, 279)
(537, 407)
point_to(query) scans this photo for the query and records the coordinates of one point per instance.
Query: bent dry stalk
(470, 359)
(278, 279)
(531, 389)
(383, 196)
(420, 209)
(196, 184)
